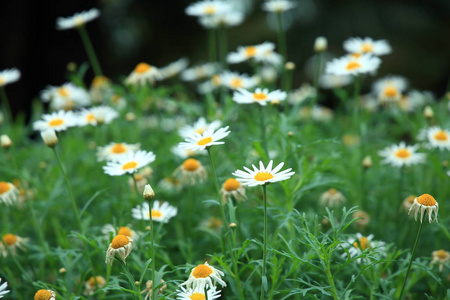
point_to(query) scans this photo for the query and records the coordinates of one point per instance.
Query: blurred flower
(91, 285)
(303, 93)
(356, 246)
(161, 212)
(320, 44)
(408, 202)
(5, 141)
(438, 138)
(268, 73)
(45, 295)
(129, 163)
(203, 276)
(67, 96)
(3, 290)
(9, 76)
(189, 294)
(401, 155)
(143, 74)
(199, 72)
(332, 198)
(278, 6)
(353, 65)
(440, 257)
(260, 53)
(121, 245)
(362, 217)
(117, 101)
(260, 96)
(390, 88)
(321, 113)
(170, 185)
(228, 19)
(57, 121)
(98, 115)
(49, 137)
(263, 175)
(367, 45)
(351, 139)
(199, 127)
(208, 8)
(149, 289)
(367, 162)
(185, 153)
(141, 179)
(232, 188)
(13, 242)
(100, 89)
(234, 80)
(174, 68)
(115, 151)
(77, 20)
(425, 204)
(191, 171)
(331, 81)
(210, 137)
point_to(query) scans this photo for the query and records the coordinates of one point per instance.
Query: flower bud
(5, 141)
(321, 44)
(290, 66)
(149, 194)
(233, 225)
(49, 137)
(428, 112)
(367, 162)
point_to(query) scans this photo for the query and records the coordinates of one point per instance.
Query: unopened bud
(62, 270)
(290, 66)
(49, 137)
(130, 117)
(367, 162)
(137, 283)
(428, 112)
(5, 141)
(275, 102)
(149, 194)
(321, 44)
(290, 133)
(72, 67)
(233, 225)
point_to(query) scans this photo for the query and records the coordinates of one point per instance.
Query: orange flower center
(442, 254)
(441, 136)
(56, 122)
(63, 92)
(2, 81)
(204, 141)
(390, 91)
(259, 96)
(191, 164)
(263, 176)
(231, 184)
(362, 243)
(332, 191)
(209, 10)
(250, 51)
(202, 271)
(216, 80)
(125, 231)
(118, 148)
(403, 153)
(10, 239)
(356, 55)
(42, 295)
(4, 187)
(97, 279)
(119, 241)
(353, 65)
(129, 165)
(367, 47)
(156, 213)
(142, 68)
(236, 83)
(197, 296)
(411, 198)
(99, 81)
(90, 117)
(426, 200)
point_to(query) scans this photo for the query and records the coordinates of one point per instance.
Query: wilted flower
(440, 257)
(13, 242)
(192, 171)
(122, 245)
(143, 74)
(203, 276)
(91, 285)
(232, 188)
(45, 295)
(332, 198)
(425, 204)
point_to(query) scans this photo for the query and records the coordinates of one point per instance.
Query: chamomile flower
(234, 80)
(208, 8)
(367, 45)
(100, 89)
(203, 276)
(161, 212)
(278, 6)
(115, 151)
(353, 65)
(263, 175)
(199, 72)
(129, 163)
(142, 74)
(331, 81)
(45, 295)
(91, 285)
(438, 138)
(210, 85)
(229, 19)
(389, 89)
(77, 20)
(3, 290)
(192, 171)
(356, 246)
(260, 96)
(174, 68)
(232, 188)
(8, 193)
(67, 96)
(440, 257)
(13, 242)
(9, 76)
(303, 93)
(401, 155)
(109, 229)
(256, 52)
(425, 204)
(57, 121)
(200, 126)
(185, 153)
(205, 140)
(197, 294)
(121, 245)
(332, 198)
(104, 114)
(408, 202)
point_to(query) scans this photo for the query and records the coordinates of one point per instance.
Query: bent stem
(410, 261)
(264, 277)
(90, 51)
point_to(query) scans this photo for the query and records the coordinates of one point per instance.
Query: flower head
(174, 68)
(3, 290)
(191, 171)
(234, 80)
(425, 204)
(440, 257)
(161, 212)
(228, 19)
(115, 151)
(260, 53)
(129, 163)
(49, 137)
(208, 8)
(57, 121)
(401, 155)
(389, 89)
(9, 76)
(367, 45)
(197, 294)
(8, 193)
(199, 72)
(353, 65)
(232, 188)
(122, 245)
(332, 198)
(67, 96)
(205, 140)
(143, 73)
(438, 138)
(260, 96)
(200, 126)
(91, 285)
(45, 295)
(203, 276)
(97, 115)
(13, 242)
(278, 6)
(263, 175)
(356, 246)
(77, 20)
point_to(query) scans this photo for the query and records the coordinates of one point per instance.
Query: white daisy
(389, 89)
(210, 85)
(13, 242)
(234, 80)
(142, 74)
(303, 93)
(9, 76)
(161, 212)
(208, 8)
(115, 151)
(261, 53)
(353, 65)
(3, 290)
(262, 175)
(103, 114)
(199, 72)
(129, 163)
(356, 246)
(199, 127)
(278, 6)
(367, 45)
(205, 140)
(122, 245)
(192, 171)
(229, 19)
(77, 20)
(91, 285)
(8, 193)
(67, 96)
(260, 96)
(45, 295)
(425, 204)
(185, 153)
(197, 294)
(438, 138)
(57, 121)
(203, 276)
(174, 68)
(401, 155)
(331, 81)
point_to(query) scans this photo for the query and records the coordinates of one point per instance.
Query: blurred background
(159, 32)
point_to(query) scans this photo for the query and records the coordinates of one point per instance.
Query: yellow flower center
(99, 81)
(2, 81)
(10, 239)
(63, 92)
(250, 51)
(42, 295)
(366, 47)
(4, 187)
(142, 68)
(125, 231)
(119, 241)
(197, 296)
(231, 184)
(353, 65)
(98, 279)
(216, 80)
(390, 91)
(411, 198)
(156, 213)
(209, 10)
(118, 148)
(129, 165)
(204, 141)
(191, 164)
(362, 243)
(441, 254)
(356, 55)
(56, 122)
(200, 130)
(259, 96)
(403, 153)
(426, 200)
(263, 176)
(441, 136)
(236, 83)
(332, 191)
(90, 117)
(202, 271)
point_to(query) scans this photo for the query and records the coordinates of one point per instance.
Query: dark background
(159, 32)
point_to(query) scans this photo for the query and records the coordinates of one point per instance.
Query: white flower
(129, 163)
(97, 115)
(367, 45)
(208, 8)
(303, 93)
(234, 80)
(203, 276)
(438, 138)
(161, 212)
(320, 44)
(389, 89)
(67, 96)
(49, 137)
(425, 204)
(8, 193)
(207, 139)
(57, 121)
(260, 96)
(199, 72)
(263, 175)
(401, 155)
(3, 290)
(353, 65)
(330, 81)
(229, 19)
(122, 245)
(356, 246)
(185, 153)
(278, 6)
(77, 20)
(173, 68)
(142, 74)
(9, 76)
(260, 53)
(114, 151)
(189, 294)
(199, 127)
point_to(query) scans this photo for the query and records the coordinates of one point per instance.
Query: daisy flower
(161, 212)
(3, 290)
(192, 171)
(185, 153)
(332, 198)
(300, 95)
(121, 245)
(260, 96)
(109, 229)
(356, 246)
(174, 68)
(331, 81)
(199, 72)
(232, 188)
(234, 80)
(362, 217)
(263, 175)
(278, 6)
(389, 89)
(142, 74)
(91, 285)
(200, 126)
(13, 242)
(45, 295)
(129, 163)
(353, 65)
(367, 45)
(425, 204)
(149, 289)
(100, 90)
(197, 294)
(440, 257)
(57, 121)
(229, 19)
(401, 155)
(208, 8)
(77, 20)
(97, 115)
(9, 76)
(67, 96)
(205, 140)
(203, 276)
(115, 151)
(258, 52)
(8, 193)
(438, 138)
(408, 202)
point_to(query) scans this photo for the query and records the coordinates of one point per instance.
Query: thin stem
(331, 281)
(6, 107)
(264, 277)
(14, 258)
(282, 48)
(69, 189)
(212, 40)
(263, 129)
(410, 261)
(317, 75)
(152, 240)
(90, 51)
(223, 46)
(235, 266)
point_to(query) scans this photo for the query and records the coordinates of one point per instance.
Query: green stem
(410, 261)
(317, 76)
(331, 280)
(263, 130)
(14, 258)
(235, 266)
(6, 107)
(264, 277)
(282, 48)
(212, 40)
(152, 238)
(223, 46)
(90, 51)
